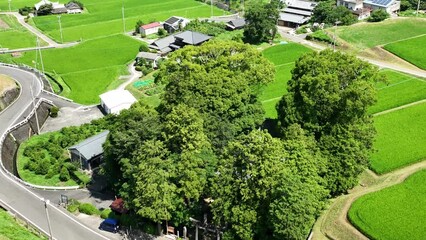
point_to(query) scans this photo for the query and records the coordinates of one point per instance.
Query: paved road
(19, 197)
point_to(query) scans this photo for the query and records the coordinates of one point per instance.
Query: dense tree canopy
(328, 96)
(327, 12)
(261, 19)
(260, 194)
(221, 79)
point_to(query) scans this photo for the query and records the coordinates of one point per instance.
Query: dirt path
(400, 107)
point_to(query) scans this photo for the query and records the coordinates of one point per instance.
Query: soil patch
(6, 84)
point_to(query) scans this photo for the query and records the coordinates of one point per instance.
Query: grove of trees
(203, 150)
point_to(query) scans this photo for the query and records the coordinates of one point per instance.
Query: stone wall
(19, 135)
(8, 97)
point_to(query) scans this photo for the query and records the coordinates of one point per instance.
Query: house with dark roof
(73, 8)
(296, 13)
(179, 40)
(153, 58)
(89, 152)
(236, 24)
(175, 23)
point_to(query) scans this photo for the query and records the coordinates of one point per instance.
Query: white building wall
(149, 31)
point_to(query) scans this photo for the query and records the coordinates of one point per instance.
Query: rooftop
(92, 146)
(294, 18)
(117, 97)
(306, 5)
(192, 38)
(381, 3)
(148, 55)
(151, 25)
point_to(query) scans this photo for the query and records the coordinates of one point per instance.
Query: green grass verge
(401, 89)
(283, 56)
(10, 229)
(30, 176)
(400, 138)
(367, 35)
(397, 212)
(16, 36)
(412, 50)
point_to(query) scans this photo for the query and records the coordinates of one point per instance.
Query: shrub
(64, 175)
(51, 173)
(53, 112)
(143, 48)
(106, 213)
(42, 166)
(162, 32)
(320, 36)
(25, 10)
(81, 178)
(88, 209)
(73, 205)
(378, 15)
(149, 228)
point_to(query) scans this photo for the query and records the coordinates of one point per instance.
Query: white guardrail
(12, 128)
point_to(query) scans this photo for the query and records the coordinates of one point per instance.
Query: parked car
(110, 225)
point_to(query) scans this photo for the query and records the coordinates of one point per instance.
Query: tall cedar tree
(221, 79)
(260, 195)
(328, 96)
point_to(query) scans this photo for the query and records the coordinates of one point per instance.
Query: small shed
(116, 100)
(89, 152)
(148, 29)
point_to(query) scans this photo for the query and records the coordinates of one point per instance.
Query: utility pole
(46, 202)
(60, 28)
(334, 35)
(122, 13)
(417, 12)
(33, 100)
(243, 7)
(10, 9)
(211, 8)
(41, 57)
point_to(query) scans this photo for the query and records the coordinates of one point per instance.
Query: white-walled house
(116, 100)
(363, 8)
(148, 29)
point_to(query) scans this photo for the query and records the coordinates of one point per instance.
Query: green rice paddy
(400, 138)
(412, 50)
(397, 212)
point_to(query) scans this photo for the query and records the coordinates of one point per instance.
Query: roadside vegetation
(412, 50)
(44, 159)
(11, 229)
(397, 212)
(399, 140)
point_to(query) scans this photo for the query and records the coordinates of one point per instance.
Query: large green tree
(261, 21)
(221, 79)
(259, 195)
(327, 12)
(328, 96)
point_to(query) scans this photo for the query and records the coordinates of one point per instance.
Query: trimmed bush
(378, 15)
(88, 209)
(320, 36)
(73, 205)
(106, 213)
(53, 112)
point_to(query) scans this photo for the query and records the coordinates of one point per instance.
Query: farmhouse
(57, 8)
(116, 100)
(150, 57)
(296, 13)
(177, 41)
(175, 23)
(89, 152)
(148, 29)
(236, 24)
(363, 8)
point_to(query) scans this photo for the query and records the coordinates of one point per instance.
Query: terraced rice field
(412, 50)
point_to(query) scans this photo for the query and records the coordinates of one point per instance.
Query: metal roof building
(89, 151)
(116, 100)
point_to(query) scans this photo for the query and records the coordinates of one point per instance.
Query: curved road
(17, 196)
